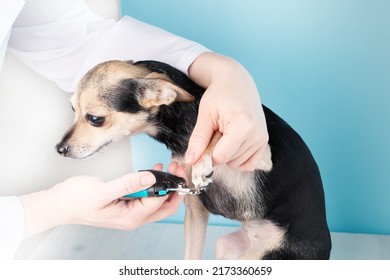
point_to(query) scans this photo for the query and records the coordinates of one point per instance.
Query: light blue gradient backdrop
(324, 66)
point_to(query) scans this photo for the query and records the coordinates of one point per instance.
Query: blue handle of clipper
(140, 194)
(154, 191)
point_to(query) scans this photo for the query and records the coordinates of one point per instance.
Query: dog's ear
(157, 92)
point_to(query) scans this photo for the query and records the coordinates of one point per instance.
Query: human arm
(230, 105)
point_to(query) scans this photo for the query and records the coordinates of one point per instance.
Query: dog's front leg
(196, 218)
(195, 225)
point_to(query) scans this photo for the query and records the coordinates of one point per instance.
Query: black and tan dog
(280, 205)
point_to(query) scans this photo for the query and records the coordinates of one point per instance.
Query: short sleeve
(65, 47)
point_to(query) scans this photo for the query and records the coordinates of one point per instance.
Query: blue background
(324, 66)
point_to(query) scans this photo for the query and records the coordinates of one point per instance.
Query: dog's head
(113, 100)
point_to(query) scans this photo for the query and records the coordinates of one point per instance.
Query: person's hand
(230, 105)
(90, 201)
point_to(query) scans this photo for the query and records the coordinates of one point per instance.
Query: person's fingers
(182, 172)
(133, 213)
(168, 208)
(200, 138)
(247, 161)
(229, 146)
(171, 204)
(158, 166)
(172, 167)
(241, 157)
(138, 212)
(253, 162)
(176, 169)
(127, 184)
(239, 144)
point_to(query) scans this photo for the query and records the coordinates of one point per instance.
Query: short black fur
(126, 103)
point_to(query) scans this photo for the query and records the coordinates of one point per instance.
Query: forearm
(40, 212)
(209, 68)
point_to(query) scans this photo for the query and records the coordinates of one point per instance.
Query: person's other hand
(91, 201)
(230, 105)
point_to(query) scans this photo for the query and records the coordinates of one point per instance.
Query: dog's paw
(202, 171)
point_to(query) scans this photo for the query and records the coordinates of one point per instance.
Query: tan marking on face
(117, 69)
(107, 74)
(85, 139)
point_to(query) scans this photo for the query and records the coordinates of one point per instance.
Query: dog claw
(202, 173)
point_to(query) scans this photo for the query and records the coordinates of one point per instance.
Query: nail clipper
(165, 184)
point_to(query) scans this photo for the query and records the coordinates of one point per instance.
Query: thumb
(129, 183)
(199, 140)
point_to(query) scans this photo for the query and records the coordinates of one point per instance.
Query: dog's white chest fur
(241, 186)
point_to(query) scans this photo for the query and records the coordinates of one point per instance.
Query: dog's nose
(63, 149)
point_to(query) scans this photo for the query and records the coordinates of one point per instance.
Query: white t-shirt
(62, 40)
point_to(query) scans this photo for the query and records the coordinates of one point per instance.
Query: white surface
(166, 241)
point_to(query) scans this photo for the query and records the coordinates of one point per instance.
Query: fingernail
(147, 180)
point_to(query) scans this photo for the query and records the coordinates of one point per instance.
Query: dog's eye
(95, 120)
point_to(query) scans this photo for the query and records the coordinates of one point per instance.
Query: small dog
(281, 204)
